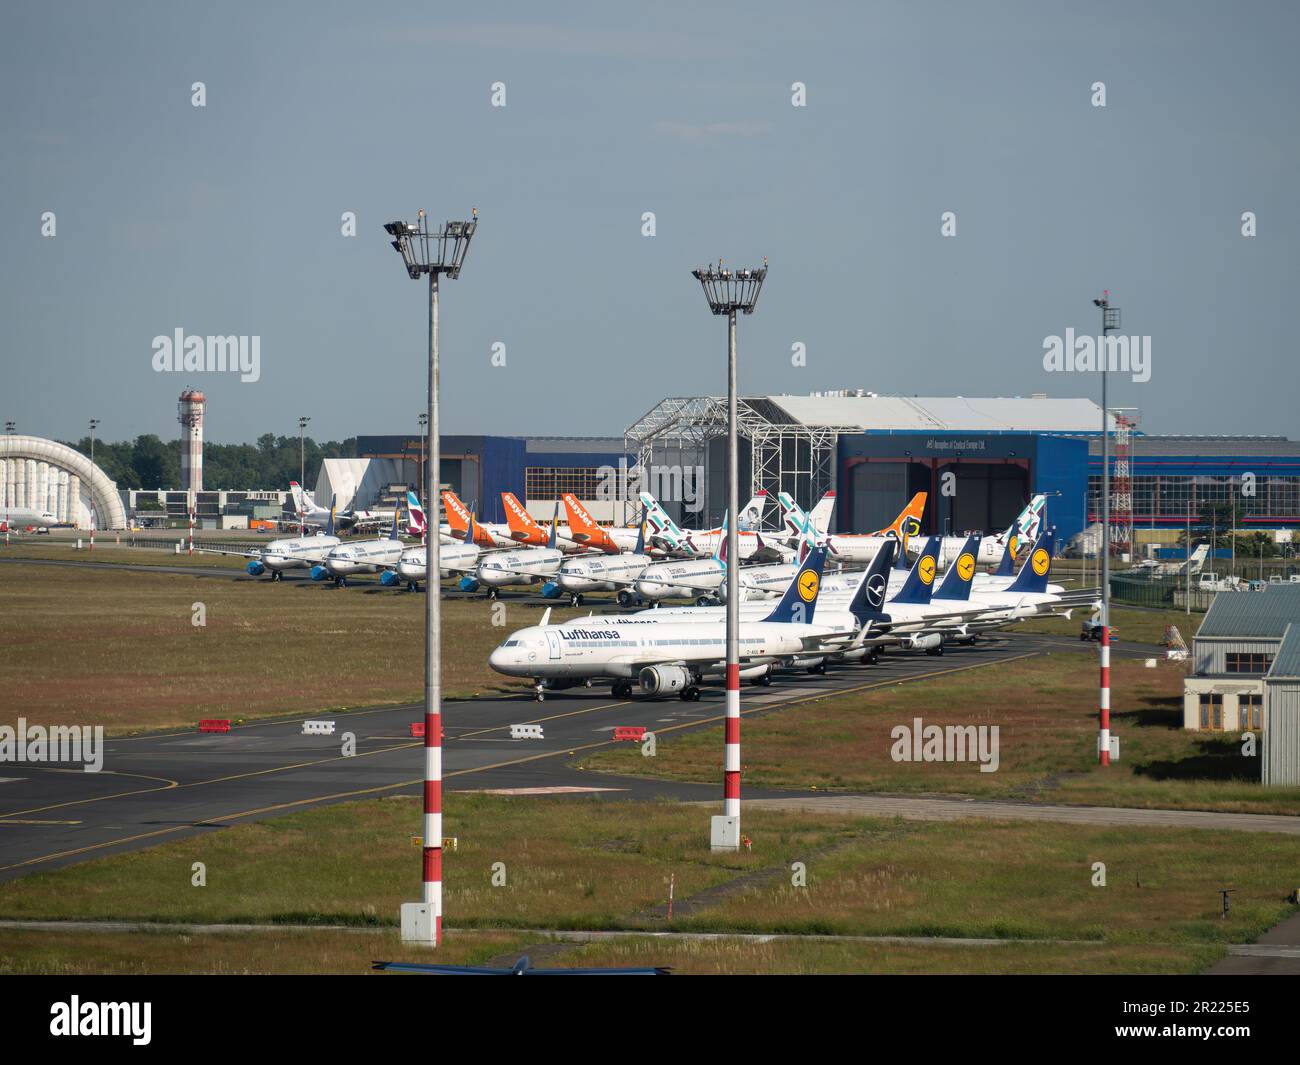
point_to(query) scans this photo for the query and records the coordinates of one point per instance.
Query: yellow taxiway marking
(216, 821)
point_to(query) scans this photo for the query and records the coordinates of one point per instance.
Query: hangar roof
(943, 413)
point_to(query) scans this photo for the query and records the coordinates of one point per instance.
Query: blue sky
(226, 219)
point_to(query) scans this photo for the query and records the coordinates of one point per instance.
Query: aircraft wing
(223, 551)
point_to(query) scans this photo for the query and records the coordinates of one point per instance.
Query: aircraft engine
(663, 680)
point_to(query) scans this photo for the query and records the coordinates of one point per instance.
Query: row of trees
(150, 462)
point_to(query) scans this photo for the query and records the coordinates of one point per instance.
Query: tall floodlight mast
(1109, 324)
(431, 253)
(729, 291)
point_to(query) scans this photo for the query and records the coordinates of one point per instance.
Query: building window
(1251, 709)
(586, 482)
(1248, 662)
(1211, 711)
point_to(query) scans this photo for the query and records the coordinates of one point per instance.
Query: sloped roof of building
(943, 413)
(1286, 663)
(1263, 614)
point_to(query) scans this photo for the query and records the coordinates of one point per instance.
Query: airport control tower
(191, 418)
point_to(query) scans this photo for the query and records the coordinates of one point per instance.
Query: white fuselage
(601, 573)
(619, 648)
(528, 565)
(452, 558)
(364, 555)
(299, 552)
(680, 579)
(25, 517)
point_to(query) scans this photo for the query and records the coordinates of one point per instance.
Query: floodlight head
(728, 291)
(425, 251)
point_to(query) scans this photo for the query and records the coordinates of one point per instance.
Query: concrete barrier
(318, 728)
(526, 732)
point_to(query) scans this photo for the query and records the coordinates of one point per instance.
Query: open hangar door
(987, 496)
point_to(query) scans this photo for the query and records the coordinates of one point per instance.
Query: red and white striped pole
(731, 765)
(1104, 735)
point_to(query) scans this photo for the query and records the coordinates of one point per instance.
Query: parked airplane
(525, 530)
(600, 572)
(414, 563)
(1025, 529)
(668, 536)
(527, 565)
(585, 530)
(298, 552)
(1192, 565)
(1029, 594)
(15, 518)
(667, 656)
(860, 547)
(360, 556)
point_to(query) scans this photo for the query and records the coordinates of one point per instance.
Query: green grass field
(588, 864)
(120, 649)
(1131, 624)
(1045, 710)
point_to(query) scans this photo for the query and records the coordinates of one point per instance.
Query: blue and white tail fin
(916, 589)
(800, 600)
(553, 539)
(956, 583)
(869, 599)
(1038, 566)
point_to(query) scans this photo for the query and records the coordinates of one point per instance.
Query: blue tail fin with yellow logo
(916, 589)
(957, 581)
(800, 600)
(1033, 574)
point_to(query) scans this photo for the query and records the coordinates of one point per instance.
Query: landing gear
(622, 689)
(624, 599)
(412, 586)
(492, 594)
(765, 681)
(575, 599)
(690, 694)
(819, 669)
(340, 581)
(539, 692)
(872, 657)
(276, 575)
(936, 651)
(702, 600)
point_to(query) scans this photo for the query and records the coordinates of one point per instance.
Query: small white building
(1234, 649)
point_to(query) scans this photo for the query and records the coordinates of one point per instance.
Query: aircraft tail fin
(821, 513)
(329, 524)
(800, 600)
(916, 589)
(1037, 568)
(870, 596)
(956, 583)
(751, 516)
(908, 522)
(521, 523)
(417, 524)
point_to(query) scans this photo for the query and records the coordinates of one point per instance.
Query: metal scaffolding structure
(784, 455)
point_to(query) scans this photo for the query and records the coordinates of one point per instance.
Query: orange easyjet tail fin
(522, 525)
(583, 527)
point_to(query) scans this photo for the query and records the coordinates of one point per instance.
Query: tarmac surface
(158, 787)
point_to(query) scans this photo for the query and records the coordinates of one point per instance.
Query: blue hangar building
(979, 460)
